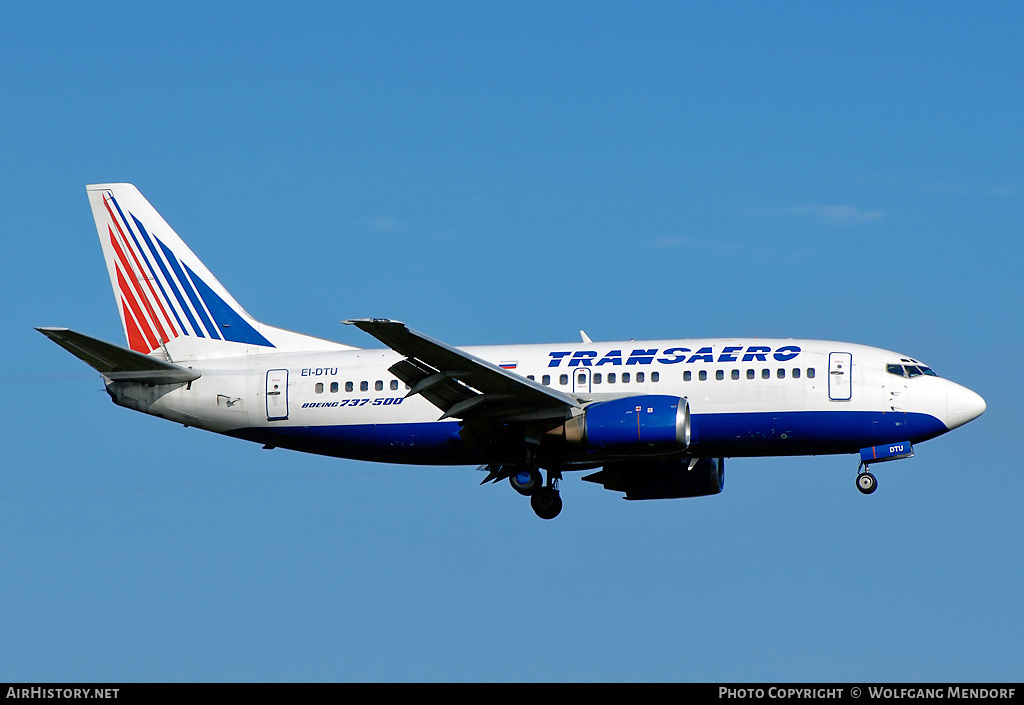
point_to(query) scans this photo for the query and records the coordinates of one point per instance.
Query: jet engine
(643, 424)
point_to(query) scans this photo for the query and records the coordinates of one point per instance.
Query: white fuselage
(746, 397)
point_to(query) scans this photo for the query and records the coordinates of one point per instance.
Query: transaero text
(672, 356)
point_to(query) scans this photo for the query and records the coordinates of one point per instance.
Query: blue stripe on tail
(231, 325)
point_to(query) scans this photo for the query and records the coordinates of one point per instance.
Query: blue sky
(498, 173)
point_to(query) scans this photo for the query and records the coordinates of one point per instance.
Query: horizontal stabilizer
(117, 363)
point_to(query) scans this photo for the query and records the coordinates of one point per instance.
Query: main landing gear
(545, 499)
(527, 481)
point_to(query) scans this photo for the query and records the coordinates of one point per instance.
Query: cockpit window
(910, 370)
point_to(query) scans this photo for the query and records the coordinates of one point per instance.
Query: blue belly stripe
(713, 435)
(806, 432)
(436, 443)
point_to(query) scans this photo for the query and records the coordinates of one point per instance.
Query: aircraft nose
(962, 405)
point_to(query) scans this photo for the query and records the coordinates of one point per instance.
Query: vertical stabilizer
(167, 298)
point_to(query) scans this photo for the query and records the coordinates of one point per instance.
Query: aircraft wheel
(866, 483)
(526, 481)
(546, 502)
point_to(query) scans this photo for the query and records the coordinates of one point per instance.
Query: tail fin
(166, 296)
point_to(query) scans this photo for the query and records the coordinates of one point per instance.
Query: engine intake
(642, 424)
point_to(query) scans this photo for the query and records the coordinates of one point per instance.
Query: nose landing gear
(866, 482)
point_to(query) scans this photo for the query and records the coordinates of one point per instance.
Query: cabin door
(277, 395)
(840, 382)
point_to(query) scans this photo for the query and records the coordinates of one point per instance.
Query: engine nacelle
(663, 479)
(643, 424)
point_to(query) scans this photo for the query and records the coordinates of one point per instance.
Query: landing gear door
(277, 395)
(840, 376)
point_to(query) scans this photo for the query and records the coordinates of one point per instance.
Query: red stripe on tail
(128, 297)
(142, 273)
(135, 340)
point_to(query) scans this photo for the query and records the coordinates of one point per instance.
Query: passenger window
(348, 387)
(334, 387)
(735, 374)
(639, 376)
(655, 376)
(563, 379)
(364, 386)
(719, 374)
(394, 385)
(546, 380)
(319, 388)
(378, 385)
(810, 373)
(625, 377)
(530, 377)
(581, 378)
(780, 373)
(703, 375)
(796, 373)
(750, 374)
(597, 378)
(686, 376)
(611, 378)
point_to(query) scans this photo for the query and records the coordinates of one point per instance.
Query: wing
(461, 385)
(117, 363)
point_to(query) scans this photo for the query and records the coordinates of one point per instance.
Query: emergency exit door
(581, 380)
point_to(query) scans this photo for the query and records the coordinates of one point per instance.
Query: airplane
(653, 419)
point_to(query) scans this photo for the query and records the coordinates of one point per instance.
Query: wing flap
(440, 390)
(461, 385)
(117, 363)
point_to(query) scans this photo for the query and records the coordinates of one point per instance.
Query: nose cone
(962, 405)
